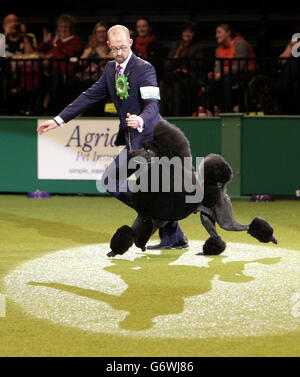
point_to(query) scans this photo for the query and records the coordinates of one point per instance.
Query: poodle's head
(216, 169)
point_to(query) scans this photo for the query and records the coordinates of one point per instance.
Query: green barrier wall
(18, 163)
(264, 153)
(271, 155)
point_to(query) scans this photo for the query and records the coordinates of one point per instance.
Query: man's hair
(118, 27)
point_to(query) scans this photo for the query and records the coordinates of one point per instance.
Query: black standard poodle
(156, 205)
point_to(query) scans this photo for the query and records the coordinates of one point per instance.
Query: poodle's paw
(261, 230)
(111, 254)
(214, 246)
(121, 241)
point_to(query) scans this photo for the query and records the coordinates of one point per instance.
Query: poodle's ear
(216, 169)
(211, 195)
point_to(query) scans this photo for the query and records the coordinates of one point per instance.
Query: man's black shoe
(181, 244)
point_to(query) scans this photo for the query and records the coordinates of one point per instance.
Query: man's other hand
(132, 120)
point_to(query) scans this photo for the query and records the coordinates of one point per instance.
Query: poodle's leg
(209, 224)
(214, 245)
(140, 232)
(259, 228)
(143, 229)
(224, 213)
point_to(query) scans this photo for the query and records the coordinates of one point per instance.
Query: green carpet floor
(31, 228)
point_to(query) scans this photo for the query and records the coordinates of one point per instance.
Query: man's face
(11, 24)
(120, 45)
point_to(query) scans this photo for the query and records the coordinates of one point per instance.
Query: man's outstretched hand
(47, 126)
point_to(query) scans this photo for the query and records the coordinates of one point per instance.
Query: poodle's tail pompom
(216, 169)
(261, 230)
(121, 241)
(214, 246)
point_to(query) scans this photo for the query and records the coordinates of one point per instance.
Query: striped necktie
(119, 70)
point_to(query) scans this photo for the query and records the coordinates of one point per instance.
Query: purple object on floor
(261, 198)
(38, 194)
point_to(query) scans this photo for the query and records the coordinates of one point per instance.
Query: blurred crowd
(43, 76)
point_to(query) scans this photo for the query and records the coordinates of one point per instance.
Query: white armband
(150, 92)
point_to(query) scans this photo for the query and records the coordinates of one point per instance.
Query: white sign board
(81, 150)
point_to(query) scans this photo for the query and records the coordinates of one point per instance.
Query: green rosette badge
(122, 86)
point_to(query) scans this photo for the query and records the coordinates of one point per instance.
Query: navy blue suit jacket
(140, 74)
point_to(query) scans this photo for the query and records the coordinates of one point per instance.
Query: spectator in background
(144, 43)
(146, 46)
(62, 46)
(98, 49)
(232, 45)
(287, 85)
(183, 74)
(21, 78)
(228, 75)
(287, 53)
(92, 69)
(18, 41)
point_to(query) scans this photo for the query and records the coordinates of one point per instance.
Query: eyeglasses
(116, 49)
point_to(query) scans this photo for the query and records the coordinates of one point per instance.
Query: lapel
(130, 64)
(112, 79)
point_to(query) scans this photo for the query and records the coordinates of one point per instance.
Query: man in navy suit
(136, 101)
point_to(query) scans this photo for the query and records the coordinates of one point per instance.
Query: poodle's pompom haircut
(214, 246)
(122, 240)
(170, 141)
(216, 169)
(261, 230)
